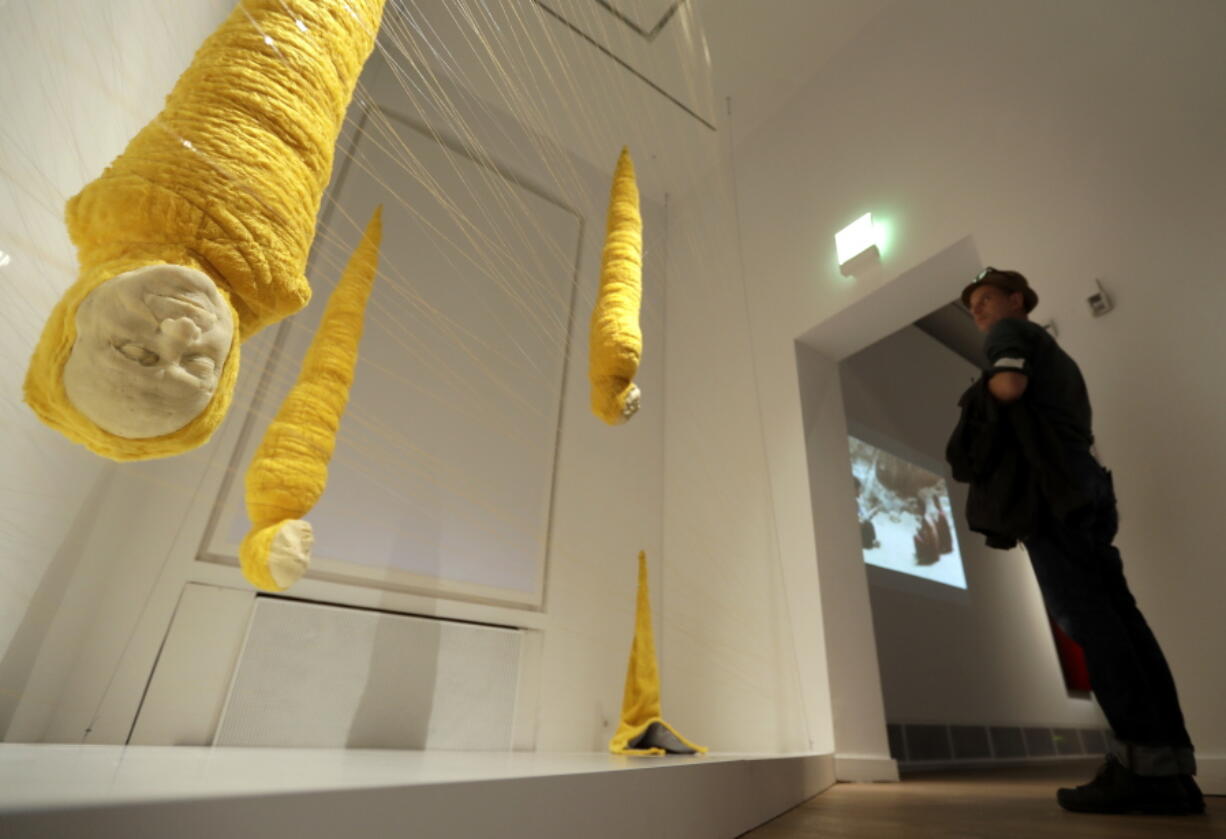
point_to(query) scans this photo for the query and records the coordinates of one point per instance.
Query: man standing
(1080, 573)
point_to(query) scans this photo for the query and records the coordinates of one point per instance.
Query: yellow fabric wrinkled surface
(228, 180)
(290, 469)
(641, 700)
(616, 341)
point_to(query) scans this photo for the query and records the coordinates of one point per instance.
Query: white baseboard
(1211, 773)
(865, 768)
(990, 762)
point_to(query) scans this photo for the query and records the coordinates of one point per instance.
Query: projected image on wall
(906, 520)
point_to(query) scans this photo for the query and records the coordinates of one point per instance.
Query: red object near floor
(1072, 660)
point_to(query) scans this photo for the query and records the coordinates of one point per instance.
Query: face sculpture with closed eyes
(149, 350)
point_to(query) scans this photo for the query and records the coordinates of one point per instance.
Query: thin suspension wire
(494, 251)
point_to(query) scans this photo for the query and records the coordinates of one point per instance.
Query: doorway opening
(967, 667)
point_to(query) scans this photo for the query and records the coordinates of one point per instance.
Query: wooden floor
(994, 804)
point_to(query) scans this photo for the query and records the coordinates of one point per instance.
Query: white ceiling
(584, 73)
(763, 51)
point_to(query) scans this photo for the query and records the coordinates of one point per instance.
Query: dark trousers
(1081, 576)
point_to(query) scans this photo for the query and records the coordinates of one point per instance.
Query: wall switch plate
(1099, 302)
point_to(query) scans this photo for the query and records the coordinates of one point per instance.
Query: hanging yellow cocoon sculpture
(290, 469)
(642, 731)
(207, 217)
(616, 341)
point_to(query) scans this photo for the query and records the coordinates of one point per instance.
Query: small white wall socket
(1100, 303)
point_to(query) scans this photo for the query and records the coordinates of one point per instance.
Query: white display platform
(188, 792)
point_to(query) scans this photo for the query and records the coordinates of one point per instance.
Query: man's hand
(1007, 387)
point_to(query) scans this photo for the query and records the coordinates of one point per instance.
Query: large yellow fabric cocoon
(290, 469)
(227, 180)
(642, 731)
(616, 341)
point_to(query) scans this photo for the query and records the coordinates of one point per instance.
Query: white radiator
(328, 676)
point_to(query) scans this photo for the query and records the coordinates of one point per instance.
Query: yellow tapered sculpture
(226, 181)
(642, 730)
(616, 341)
(290, 469)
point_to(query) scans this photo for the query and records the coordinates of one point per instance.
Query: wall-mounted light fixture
(856, 245)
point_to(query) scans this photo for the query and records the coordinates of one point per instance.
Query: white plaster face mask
(149, 351)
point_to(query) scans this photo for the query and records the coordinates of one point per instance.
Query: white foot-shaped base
(634, 400)
(289, 555)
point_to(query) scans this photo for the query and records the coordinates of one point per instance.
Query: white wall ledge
(134, 792)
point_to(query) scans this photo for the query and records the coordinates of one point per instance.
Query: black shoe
(1117, 789)
(1195, 799)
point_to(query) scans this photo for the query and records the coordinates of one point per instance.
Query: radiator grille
(312, 675)
(920, 743)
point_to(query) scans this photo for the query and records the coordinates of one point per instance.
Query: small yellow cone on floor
(616, 341)
(643, 731)
(290, 469)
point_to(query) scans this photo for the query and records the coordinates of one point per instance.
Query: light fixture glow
(854, 240)
(5, 259)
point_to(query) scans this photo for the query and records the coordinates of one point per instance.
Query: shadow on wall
(397, 702)
(22, 652)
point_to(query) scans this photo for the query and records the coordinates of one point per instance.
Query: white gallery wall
(108, 557)
(1071, 141)
(81, 79)
(980, 657)
(743, 614)
(105, 573)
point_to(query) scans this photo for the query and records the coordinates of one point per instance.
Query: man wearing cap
(1080, 573)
